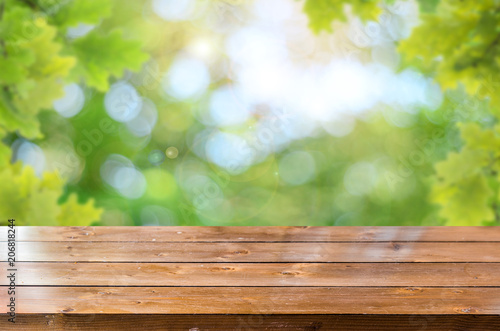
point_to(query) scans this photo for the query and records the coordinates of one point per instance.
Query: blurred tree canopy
(457, 44)
(136, 148)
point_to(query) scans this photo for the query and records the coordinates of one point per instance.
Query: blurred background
(229, 112)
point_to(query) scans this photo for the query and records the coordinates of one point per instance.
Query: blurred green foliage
(457, 43)
(323, 12)
(441, 169)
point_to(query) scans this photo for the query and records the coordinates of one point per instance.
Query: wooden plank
(255, 274)
(369, 281)
(257, 300)
(252, 234)
(255, 252)
(35, 322)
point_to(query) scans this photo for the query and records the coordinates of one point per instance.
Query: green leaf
(461, 165)
(34, 201)
(39, 96)
(11, 71)
(28, 202)
(323, 12)
(35, 72)
(83, 11)
(11, 119)
(467, 203)
(103, 56)
(470, 57)
(75, 214)
(479, 139)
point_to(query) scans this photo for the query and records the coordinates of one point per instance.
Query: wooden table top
(300, 278)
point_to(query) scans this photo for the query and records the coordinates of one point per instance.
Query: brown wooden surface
(254, 322)
(328, 278)
(258, 300)
(256, 252)
(257, 233)
(257, 274)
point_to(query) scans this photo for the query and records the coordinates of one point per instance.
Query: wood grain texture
(257, 233)
(255, 278)
(255, 274)
(257, 300)
(255, 252)
(36, 322)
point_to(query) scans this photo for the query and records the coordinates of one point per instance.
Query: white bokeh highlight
(173, 10)
(120, 173)
(72, 102)
(187, 78)
(142, 125)
(29, 154)
(122, 102)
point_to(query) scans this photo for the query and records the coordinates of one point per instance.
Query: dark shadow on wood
(251, 322)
